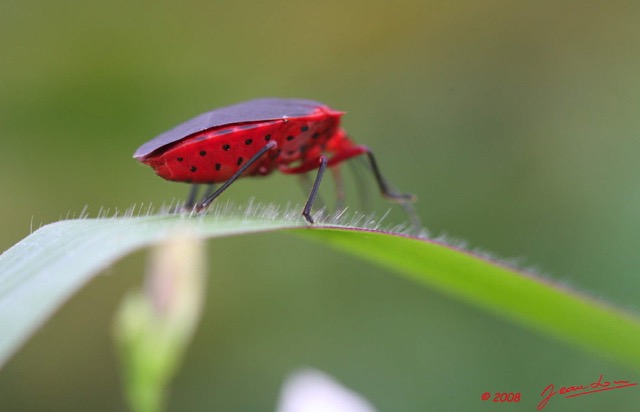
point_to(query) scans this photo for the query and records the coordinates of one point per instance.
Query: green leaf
(524, 298)
(39, 273)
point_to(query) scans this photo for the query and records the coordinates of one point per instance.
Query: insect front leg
(206, 202)
(210, 189)
(193, 194)
(191, 199)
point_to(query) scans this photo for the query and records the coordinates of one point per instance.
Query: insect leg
(210, 189)
(340, 193)
(363, 189)
(384, 187)
(191, 199)
(306, 212)
(305, 182)
(206, 202)
(404, 199)
(347, 153)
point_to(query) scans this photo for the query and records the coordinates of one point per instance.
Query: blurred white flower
(310, 390)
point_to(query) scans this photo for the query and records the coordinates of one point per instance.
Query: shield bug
(254, 138)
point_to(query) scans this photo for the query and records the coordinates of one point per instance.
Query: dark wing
(251, 111)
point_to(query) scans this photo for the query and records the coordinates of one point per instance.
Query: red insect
(254, 138)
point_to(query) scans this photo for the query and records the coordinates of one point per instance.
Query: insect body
(257, 137)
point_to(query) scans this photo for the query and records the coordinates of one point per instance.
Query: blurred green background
(515, 123)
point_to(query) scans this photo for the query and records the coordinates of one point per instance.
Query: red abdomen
(214, 155)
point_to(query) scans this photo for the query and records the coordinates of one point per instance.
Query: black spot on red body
(304, 137)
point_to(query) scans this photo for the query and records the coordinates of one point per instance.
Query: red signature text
(573, 391)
